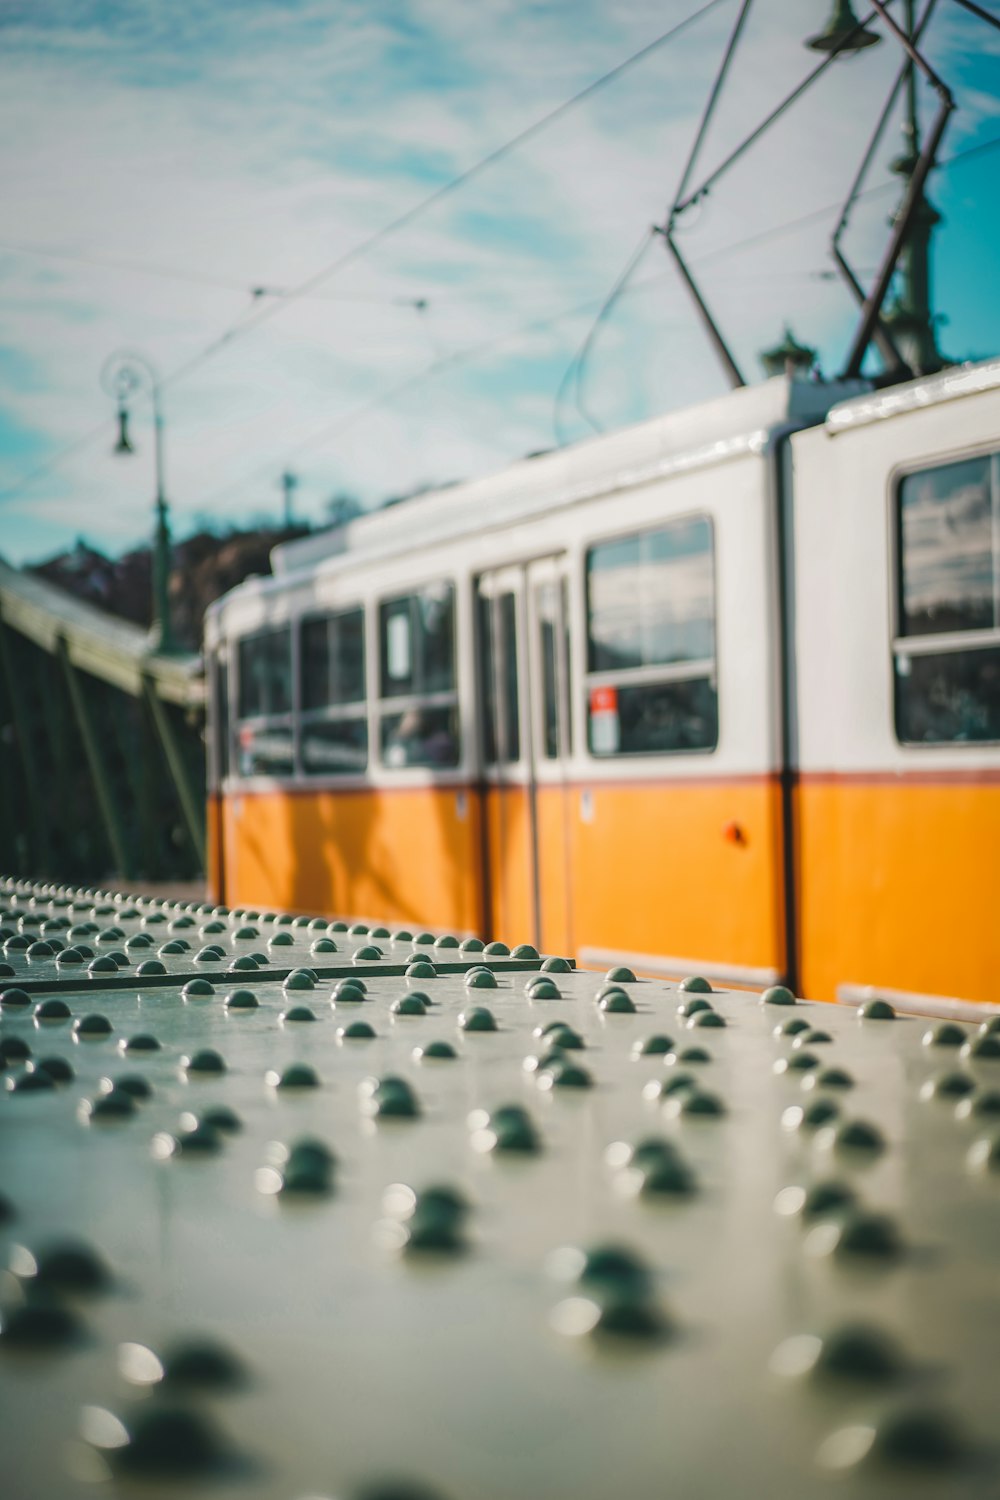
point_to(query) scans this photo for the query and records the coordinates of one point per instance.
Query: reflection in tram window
(948, 544)
(419, 712)
(421, 736)
(265, 663)
(266, 749)
(265, 742)
(498, 668)
(651, 641)
(551, 605)
(333, 729)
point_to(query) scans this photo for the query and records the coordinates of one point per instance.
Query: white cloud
(256, 144)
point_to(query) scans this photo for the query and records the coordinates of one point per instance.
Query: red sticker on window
(604, 700)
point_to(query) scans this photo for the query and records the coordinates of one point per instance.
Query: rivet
(798, 1062)
(15, 999)
(296, 1013)
(141, 1042)
(430, 1221)
(403, 935)
(983, 1102)
(876, 1010)
(563, 1074)
(695, 984)
(477, 1018)
(151, 966)
(420, 968)
(688, 1055)
(118, 1104)
(813, 1038)
(982, 1048)
(63, 1266)
(652, 1046)
(40, 1323)
(197, 989)
(368, 954)
(556, 965)
(497, 950)
(435, 1052)
(948, 1086)
(616, 1004)
(507, 1128)
(829, 1078)
(300, 979)
(357, 1031)
(92, 1027)
(446, 940)
(480, 979)
(856, 1352)
(207, 1060)
(409, 1005)
(696, 1104)
(541, 989)
(778, 994)
(917, 1439)
(52, 1010)
(689, 1008)
(525, 951)
(857, 1136)
(241, 1000)
(33, 1081)
(794, 1026)
(709, 1018)
(58, 1069)
(159, 1442)
(472, 945)
(424, 940)
(390, 1097)
(620, 974)
(323, 945)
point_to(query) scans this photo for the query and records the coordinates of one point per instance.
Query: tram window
(266, 749)
(333, 728)
(548, 599)
(266, 674)
(221, 694)
(498, 666)
(334, 747)
(419, 714)
(333, 659)
(946, 656)
(651, 641)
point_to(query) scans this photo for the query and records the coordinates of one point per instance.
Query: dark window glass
(221, 718)
(643, 719)
(651, 598)
(948, 696)
(265, 663)
(417, 643)
(266, 750)
(334, 747)
(946, 529)
(421, 736)
(314, 657)
(548, 599)
(498, 640)
(333, 660)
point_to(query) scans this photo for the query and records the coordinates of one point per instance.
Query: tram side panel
(676, 857)
(898, 689)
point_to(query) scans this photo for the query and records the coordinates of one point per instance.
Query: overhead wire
(623, 286)
(364, 247)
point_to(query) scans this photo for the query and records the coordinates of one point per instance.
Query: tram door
(525, 742)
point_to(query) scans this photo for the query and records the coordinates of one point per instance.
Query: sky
(172, 173)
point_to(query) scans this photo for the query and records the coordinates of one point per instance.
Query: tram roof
(738, 422)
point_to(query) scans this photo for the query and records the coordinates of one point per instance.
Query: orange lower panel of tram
(409, 856)
(900, 884)
(638, 868)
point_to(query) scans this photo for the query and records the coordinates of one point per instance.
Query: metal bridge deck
(558, 1260)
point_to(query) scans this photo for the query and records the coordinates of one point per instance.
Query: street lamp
(123, 374)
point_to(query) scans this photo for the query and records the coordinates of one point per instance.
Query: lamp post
(123, 374)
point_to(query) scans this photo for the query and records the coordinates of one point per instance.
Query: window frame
(929, 643)
(688, 671)
(332, 713)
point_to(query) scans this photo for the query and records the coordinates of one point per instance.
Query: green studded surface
(566, 1251)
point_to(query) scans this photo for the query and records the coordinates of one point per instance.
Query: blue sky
(163, 161)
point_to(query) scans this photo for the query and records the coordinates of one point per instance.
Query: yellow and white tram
(720, 692)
